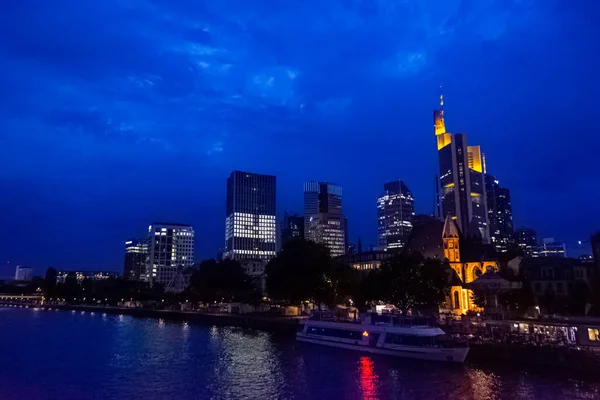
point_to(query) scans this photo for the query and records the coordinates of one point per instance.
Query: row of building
(466, 193)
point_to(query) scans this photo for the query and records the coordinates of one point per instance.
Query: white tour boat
(386, 334)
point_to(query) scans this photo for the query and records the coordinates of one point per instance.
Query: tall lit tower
(250, 230)
(170, 254)
(462, 184)
(395, 213)
(324, 221)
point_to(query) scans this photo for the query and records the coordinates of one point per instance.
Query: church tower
(451, 240)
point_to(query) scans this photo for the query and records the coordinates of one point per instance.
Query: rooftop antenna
(441, 100)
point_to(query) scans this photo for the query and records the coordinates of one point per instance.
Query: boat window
(408, 340)
(340, 333)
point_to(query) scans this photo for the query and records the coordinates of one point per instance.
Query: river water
(75, 355)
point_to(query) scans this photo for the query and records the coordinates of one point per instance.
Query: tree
(412, 282)
(71, 288)
(222, 281)
(303, 270)
(479, 298)
(578, 298)
(50, 282)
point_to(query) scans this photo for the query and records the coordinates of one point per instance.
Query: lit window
(593, 334)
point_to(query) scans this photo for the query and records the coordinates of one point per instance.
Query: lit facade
(324, 221)
(499, 214)
(23, 273)
(329, 230)
(552, 248)
(462, 184)
(366, 261)
(527, 241)
(136, 252)
(170, 253)
(469, 262)
(395, 213)
(250, 223)
(61, 276)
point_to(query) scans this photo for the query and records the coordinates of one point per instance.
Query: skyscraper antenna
(441, 100)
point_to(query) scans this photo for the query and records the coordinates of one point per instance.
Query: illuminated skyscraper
(499, 214)
(250, 223)
(462, 184)
(552, 248)
(395, 212)
(170, 254)
(292, 227)
(324, 221)
(526, 239)
(136, 251)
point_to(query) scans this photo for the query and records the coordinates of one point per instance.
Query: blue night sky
(118, 113)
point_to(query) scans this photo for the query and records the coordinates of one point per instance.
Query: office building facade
(461, 179)
(61, 276)
(551, 247)
(23, 273)
(324, 221)
(250, 223)
(499, 211)
(136, 253)
(395, 213)
(291, 227)
(526, 240)
(170, 254)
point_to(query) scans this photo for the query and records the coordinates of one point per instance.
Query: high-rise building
(250, 223)
(462, 184)
(395, 213)
(595, 243)
(552, 248)
(23, 273)
(324, 221)
(291, 227)
(136, 252)
(499, 214)
(526, 239)
(170, 253)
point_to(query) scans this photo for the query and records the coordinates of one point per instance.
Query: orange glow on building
(443, 140)
(475, 158)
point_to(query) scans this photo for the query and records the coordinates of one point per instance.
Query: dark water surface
(74, 355)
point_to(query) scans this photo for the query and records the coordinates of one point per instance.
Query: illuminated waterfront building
(23, 273)
(61, 276)
(136, 252)
(324, 221)
(462, 185)
(395, 213)
(468, 258)
(250, 223)
(499, 214)
(170, 254)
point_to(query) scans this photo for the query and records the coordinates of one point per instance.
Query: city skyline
(110, 126)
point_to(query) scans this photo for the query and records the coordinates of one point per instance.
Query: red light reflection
(368, 379)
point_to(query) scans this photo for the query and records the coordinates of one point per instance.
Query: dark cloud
(116, 113)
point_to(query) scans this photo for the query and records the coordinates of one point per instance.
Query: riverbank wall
(252, 321)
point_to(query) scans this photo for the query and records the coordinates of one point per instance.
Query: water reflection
(125, 357)
(368, 379)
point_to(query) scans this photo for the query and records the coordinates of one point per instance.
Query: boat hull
(457, 355)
